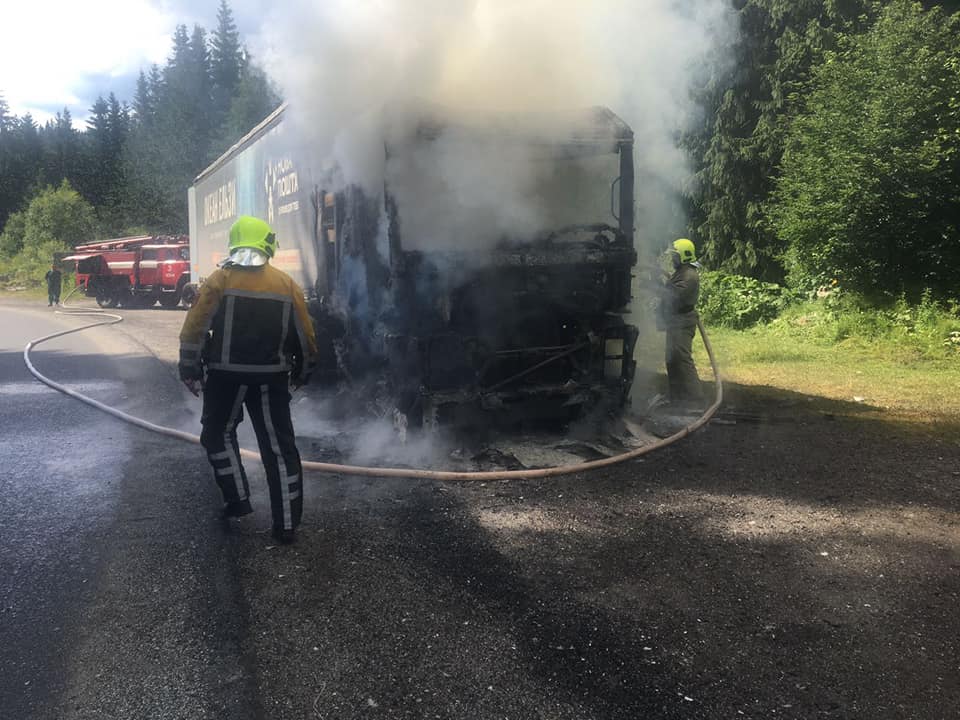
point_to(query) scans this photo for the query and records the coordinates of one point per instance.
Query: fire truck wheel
(169, 300)
(107, 300)
(143, 301)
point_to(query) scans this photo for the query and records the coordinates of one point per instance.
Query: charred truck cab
(490, 274)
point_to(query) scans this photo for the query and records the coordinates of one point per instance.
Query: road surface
(804, 566)
(119, 595)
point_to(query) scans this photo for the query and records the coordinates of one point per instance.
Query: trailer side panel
(266, 178)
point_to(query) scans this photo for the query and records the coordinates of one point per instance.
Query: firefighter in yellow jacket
(251, 331)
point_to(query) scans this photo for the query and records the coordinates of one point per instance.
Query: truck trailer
(487, 272)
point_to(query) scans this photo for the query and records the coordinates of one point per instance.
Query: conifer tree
(62, 153)
(6, 120)
(7, 188)
(254, 99)
(144, 105)
(225, 54)
(95, 182)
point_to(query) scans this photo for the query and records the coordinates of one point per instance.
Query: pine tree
(61, 150)
(144, 105)
(22, 164)
(95, 180)
(7, 190)
(118, 124)
(255, 98)
(201, 88)
(161, 164)
(225, 55)
(155, 85)
(181, 51)
(97, 122)
(6, 119)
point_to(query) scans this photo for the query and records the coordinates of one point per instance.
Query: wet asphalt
(123, 596)
(119, 596)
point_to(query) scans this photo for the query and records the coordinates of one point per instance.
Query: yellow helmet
(251, 232)
(686, 250)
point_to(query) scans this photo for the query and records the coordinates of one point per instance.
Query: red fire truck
(134, 271)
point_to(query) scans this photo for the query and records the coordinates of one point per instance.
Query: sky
(64, 53)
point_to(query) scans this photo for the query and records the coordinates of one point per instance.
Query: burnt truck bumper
(457, 371)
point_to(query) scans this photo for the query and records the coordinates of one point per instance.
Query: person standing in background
(54, 282)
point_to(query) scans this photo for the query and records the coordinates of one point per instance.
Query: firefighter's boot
(236, 509)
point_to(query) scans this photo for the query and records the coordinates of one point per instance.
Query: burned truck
(487, 270)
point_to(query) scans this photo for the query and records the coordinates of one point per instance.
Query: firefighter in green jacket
(251, 332)
(679, 312)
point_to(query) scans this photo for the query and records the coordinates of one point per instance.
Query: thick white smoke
(352, 69)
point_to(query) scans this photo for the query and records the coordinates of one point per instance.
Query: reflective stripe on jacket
(251, 320)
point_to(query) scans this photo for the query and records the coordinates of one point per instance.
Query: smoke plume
(358, 73)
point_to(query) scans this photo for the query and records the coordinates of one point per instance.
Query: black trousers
(53, 295)
(267, 401)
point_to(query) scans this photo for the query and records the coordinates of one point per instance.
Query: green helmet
(686, 250)
(251, 232)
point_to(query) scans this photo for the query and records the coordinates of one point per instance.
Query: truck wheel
(107, 299)
(169, 300)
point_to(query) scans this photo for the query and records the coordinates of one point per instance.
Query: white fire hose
(112, 319)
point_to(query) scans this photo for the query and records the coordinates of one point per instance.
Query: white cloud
(52, 47)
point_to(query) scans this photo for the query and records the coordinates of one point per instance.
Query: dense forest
(829, 151)
(133, 162)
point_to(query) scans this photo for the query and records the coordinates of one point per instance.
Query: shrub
(28, 267)
(867, 191)
(925, 329)
(11, 239)
(738, 302)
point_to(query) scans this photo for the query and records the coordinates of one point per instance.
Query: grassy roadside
(895, 374)
(28, 295)
(34, 291)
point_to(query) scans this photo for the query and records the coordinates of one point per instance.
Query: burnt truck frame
(533, 327)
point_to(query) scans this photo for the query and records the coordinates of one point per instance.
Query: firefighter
(54, 284)
(251, 332)
(678, 304)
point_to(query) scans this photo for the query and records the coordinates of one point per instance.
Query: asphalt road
(119, 596)
(799, 562)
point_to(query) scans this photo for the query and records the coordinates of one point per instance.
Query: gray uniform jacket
(680, 297)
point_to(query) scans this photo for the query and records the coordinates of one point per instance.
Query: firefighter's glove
(193, 386)
(300, 375)
(191, 376)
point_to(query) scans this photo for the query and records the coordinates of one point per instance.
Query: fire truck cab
(135, 271)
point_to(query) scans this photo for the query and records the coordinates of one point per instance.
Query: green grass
(28, 294)
(905, 361)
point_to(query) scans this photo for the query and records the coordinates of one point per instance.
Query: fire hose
(381, 472)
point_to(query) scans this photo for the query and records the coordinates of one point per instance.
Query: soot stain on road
(589, 656)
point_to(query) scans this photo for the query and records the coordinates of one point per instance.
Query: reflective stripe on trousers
(267, 401)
